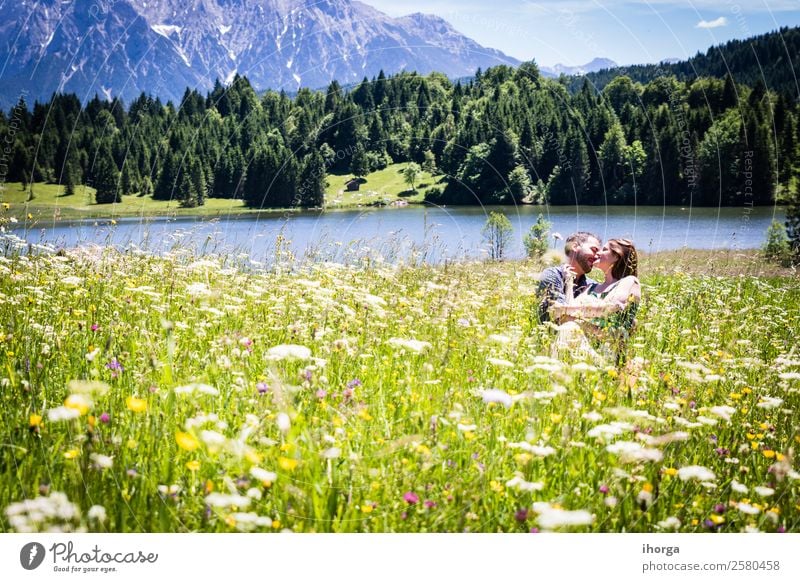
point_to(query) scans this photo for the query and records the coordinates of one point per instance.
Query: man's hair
(576, 239)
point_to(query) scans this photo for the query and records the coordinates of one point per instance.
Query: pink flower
(411, 498)
(105, 418)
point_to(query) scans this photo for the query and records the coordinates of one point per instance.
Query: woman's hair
(628, 262)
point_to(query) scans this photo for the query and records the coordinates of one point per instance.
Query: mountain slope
(124, 47)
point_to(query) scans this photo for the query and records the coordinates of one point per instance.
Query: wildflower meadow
(184, 393)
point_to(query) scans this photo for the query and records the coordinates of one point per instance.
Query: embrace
(593, 319)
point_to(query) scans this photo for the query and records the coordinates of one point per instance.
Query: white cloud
(721, 21)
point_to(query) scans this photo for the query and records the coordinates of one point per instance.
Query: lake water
(423, 233)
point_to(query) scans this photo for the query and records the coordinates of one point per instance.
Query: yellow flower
(496, 487)
(555, 418)
(136, 404)
(231, 521)
(253, 456)
(717, 519)
(768, 453)
(193, 466)
(186, 441)
(276, 524)
(364, 414)
(367, 508)
(671, 471)
(754, 445)
(287, 464)
(72, 454)
(647, 487)
(35, 420)
(523, 458)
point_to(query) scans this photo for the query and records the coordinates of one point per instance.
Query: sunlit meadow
(186, 393)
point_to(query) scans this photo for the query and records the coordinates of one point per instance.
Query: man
(581, 249)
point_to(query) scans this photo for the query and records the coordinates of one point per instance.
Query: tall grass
(185, 393)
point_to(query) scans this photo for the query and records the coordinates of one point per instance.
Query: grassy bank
(49, 202)
(183, 393)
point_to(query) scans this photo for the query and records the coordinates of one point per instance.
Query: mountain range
(121, 48)
(597, 64)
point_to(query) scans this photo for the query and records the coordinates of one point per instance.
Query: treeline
(507, 136)
(770, 58)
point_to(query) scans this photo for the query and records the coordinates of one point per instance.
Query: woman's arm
(627, 290)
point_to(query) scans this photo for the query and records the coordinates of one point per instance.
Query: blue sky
(573, 32)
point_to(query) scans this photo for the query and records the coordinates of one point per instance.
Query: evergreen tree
(105, 178)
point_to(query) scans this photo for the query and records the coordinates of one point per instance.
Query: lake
(424, 233)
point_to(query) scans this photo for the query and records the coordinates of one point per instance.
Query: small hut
(352, 185)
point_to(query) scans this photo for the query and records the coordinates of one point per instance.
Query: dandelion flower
(186, 441)
(135, 404)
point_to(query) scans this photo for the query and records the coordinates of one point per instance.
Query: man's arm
(551, 291)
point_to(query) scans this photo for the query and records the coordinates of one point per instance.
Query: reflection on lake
(424, 233)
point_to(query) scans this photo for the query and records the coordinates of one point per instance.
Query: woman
(606, 311)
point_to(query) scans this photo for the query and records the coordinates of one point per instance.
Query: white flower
(263, 475)
(738, 487)
(62, 413)
(706, 420)
(196, 387)
(522, 485)
(500, 362)
(789, 376)
(499, 338)
(722, 411)
(97, 513)
(212, 439)
(494, 395)
(411, 345)
(332, 453)
(670, 523)
(72, 281)
(551, 518)
(631, 452)
(198, 290)
(769, 402)
(101, 461)
(748, 509)
(223, 500)
(696, 472)
(283, 421)
(466, 427)
(764, 491)
(288, 352)
(609, 430)
(670, 437)
(538, 450)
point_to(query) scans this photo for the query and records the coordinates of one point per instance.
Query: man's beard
(585, 263)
